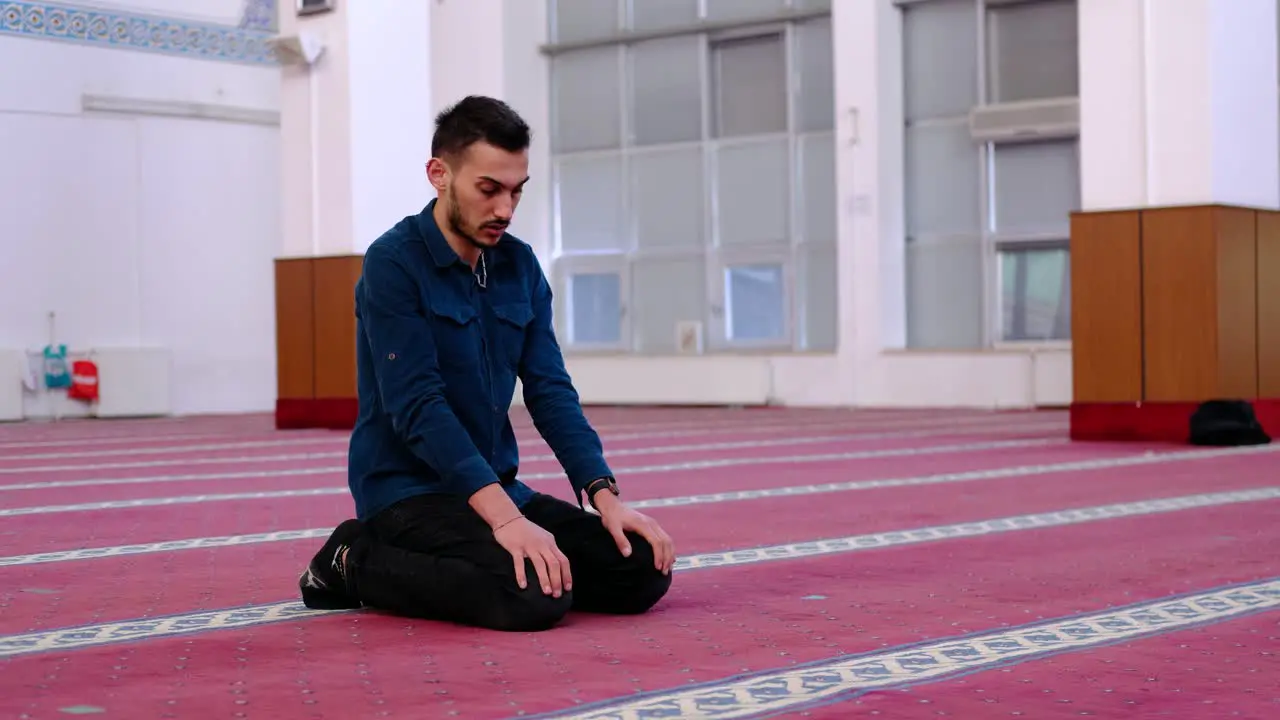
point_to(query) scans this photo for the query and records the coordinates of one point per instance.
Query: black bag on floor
(1227, 423)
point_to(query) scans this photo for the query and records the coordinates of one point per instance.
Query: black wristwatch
(602, 483)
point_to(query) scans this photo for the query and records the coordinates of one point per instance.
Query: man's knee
(530, 610)
(643, 584)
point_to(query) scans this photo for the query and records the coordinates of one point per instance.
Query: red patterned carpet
(834, 564)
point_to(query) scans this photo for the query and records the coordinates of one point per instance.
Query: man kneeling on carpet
(450, 310)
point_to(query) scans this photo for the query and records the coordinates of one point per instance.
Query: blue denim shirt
(438, 357)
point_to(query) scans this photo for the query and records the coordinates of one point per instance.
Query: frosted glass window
(668, 198)
(596, 308)
(750, 79)
(753, 186)
(943, 188)
(590, 203)
(586, 102)
(666, 85)
(818, 188)
(815, 105)
(660, 14)
(725, 10)
(584, 19)
(1037, 186)
(755, 303)
(940, 58)
(944, 293)
(666, 291)
(1032, 50)
(818, 291)
(1035, 294)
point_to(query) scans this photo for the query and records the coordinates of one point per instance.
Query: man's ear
(438, 174)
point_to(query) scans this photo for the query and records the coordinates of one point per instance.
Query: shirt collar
(437, 245)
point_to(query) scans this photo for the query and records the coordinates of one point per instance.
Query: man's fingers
(565, 573)
(554, 575)
(620, 537)
(663, 549)
(540, 566)
(521, 580)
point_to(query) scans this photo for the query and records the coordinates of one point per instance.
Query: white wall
(142, 231)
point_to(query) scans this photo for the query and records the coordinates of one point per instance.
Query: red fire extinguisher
(84, 381)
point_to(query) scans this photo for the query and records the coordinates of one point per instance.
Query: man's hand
(618, 519)
(525, 539)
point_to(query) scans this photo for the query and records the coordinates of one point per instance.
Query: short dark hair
(477, 118)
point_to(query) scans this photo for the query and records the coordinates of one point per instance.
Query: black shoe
(324, 582)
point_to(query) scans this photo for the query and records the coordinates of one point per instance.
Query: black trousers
(433, 557)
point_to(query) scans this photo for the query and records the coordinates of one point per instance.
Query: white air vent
(689, 337)
(1049, 119)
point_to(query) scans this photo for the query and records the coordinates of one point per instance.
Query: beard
(459, 224)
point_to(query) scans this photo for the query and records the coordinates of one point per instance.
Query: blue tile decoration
(140, 32)
(260, 15)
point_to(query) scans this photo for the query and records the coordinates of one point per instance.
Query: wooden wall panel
(1180, 318)
(295, 339)
(335, 336)
(1236, 237)
(1106, 307)
(1268, 279)
(1199, 303)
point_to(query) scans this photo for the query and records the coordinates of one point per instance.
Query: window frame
(993, 242)
(568, 266)
(715, 256)
(718, 301)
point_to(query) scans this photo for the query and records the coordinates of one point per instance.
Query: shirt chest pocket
(509, 331)
(456, 329)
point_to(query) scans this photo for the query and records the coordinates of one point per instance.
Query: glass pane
(667, 198)
(943, 193)
(1032, 50)
(718, 10)
(1035, 294)
(590, 198)
(583, 19)
(752, 189)
(940, 58)
(586, 103)
(595, 300)
(816, 106)
(944, 293)
(660, 14)
(666, 82)
(818, 188)
(755, 306)
(818, 290)
(750, 78)
(665, 292)
(1037, 186)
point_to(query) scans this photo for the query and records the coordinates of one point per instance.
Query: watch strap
(600, 483)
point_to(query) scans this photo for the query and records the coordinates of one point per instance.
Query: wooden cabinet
(316, 341)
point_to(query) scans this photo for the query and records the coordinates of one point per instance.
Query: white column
(1179, 103)
(356, 126)
(491, 47)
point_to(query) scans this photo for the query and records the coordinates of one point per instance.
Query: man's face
(481, 190)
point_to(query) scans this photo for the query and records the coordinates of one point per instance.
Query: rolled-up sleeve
(551, 399)
(408, 375)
